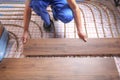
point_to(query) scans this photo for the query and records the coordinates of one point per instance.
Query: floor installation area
(100, 19)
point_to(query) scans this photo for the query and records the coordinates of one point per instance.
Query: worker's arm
(77, 17)
(27, 17)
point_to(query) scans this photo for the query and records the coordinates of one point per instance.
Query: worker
(64, 10)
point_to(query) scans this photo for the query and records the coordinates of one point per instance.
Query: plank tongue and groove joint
(4, 36)
(72, 47)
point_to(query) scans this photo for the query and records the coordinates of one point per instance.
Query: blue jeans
(60, 9)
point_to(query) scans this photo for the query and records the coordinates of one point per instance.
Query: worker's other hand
(25, 37)
(82, 36)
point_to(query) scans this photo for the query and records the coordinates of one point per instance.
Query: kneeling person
(64, 10)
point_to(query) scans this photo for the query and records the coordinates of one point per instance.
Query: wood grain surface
(58, 69)
(1, 29)
(72, 47)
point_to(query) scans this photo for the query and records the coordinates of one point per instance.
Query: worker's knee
(65, 15)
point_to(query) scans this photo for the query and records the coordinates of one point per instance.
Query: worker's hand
(82, 36)
(25, 37)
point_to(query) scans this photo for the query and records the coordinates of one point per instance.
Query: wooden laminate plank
(1, 29)
(72, 47)
(59, 69)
